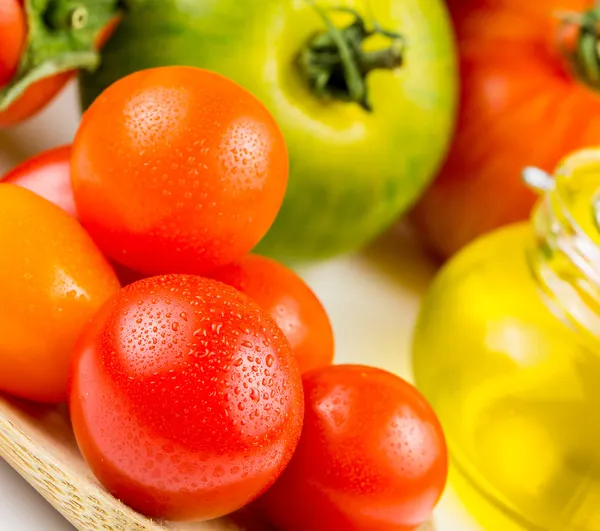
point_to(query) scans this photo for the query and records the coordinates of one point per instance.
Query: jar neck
(565, 259)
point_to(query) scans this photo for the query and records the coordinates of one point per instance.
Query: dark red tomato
(372, 456)
(13, 31)
(48, 175)
(292, 304)
(186, 399)
(178, 170)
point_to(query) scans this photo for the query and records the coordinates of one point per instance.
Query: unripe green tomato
(354, 171)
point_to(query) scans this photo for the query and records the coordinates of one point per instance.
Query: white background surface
(372, 299)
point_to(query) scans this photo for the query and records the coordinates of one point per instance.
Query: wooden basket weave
(38, 442)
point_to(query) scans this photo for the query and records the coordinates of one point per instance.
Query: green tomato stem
(583, 55)
(335, 65)
(61, 37)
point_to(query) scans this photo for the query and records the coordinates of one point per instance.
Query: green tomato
(367, 120)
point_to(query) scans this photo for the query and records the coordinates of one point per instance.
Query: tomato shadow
(52, 420)
(12, 152)
(399, 255)
(250, 518)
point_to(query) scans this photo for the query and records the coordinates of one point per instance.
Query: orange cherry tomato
(13, 31)
(53, 279)
(178, 170)
(292, 304)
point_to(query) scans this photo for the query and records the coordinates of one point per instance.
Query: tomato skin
(13, 29)
(52, 280)
(519, 106)
(186, 400)
(372, 456)
(178, 170)
(290, 302)
(47, 174)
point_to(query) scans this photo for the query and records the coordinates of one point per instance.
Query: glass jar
(507, 350)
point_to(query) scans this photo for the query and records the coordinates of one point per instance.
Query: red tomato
(289, 301)
(520, 105)
(13, 30)
(42, 92)
(186, 399)
(47, 174)
(372, 456)
(178, 169)
(53, 279)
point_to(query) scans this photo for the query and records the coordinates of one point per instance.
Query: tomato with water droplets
(186, 399)
(290, 301)
(372, 456)
(53, 279)
(178, 170)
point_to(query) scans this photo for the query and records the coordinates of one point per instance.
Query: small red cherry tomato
(186, 399)
(47, 174)
(372, 456)
(178, 170)
(13, 32)
(292, 304)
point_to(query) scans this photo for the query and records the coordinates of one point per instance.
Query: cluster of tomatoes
(199, 376)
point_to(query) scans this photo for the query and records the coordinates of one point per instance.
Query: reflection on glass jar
(507, 350)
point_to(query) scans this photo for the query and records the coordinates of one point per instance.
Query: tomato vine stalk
(335, 64)
(62, 36)
(579, 41)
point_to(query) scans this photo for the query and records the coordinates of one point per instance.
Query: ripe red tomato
(186, 399)
(178, 169)
(13, 30)
(293, 305)
(47, 174)
(53, 279)
(521, 104)
(372, 456)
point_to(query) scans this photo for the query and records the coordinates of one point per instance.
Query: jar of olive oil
(507, 350)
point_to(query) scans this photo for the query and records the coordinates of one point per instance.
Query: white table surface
(389, 279)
